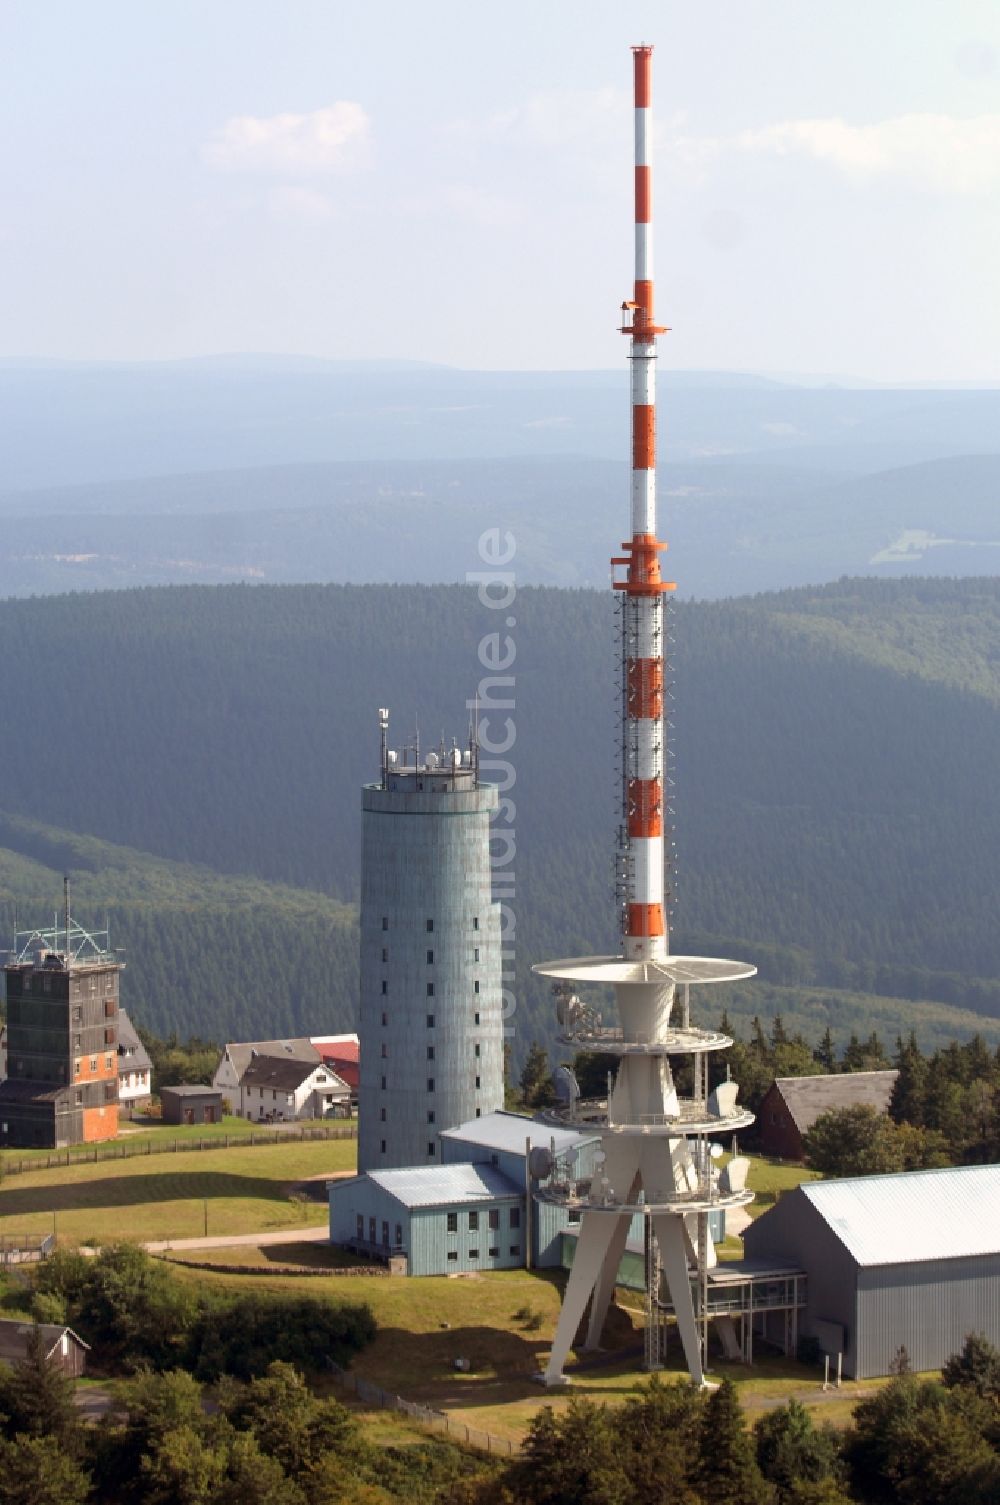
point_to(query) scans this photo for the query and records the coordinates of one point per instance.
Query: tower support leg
(596, 1233)
(669, 1230)
(605, 1287)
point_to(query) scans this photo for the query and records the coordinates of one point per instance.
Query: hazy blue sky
(451, 182)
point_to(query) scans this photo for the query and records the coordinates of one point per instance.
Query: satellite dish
(540, 1163)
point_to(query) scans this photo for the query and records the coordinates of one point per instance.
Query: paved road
(317, 1234)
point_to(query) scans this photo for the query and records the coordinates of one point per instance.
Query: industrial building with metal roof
(444, 1219)
(902, 1261)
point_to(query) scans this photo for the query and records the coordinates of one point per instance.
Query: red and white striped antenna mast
(644, 907)
(657, 1161)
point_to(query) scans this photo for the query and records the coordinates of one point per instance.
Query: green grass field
(138, 1134)
(424, 1325)
(245, 1190)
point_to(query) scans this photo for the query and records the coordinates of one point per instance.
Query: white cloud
(333, 139)
(946, 153)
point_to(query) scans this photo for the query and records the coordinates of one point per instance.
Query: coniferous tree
(909, 1093)
(728, 1472)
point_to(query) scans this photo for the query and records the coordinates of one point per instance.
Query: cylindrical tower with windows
(430, 1017)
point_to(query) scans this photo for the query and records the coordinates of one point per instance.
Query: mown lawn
(141, 1132)
(425, 1325)
(245, 1190)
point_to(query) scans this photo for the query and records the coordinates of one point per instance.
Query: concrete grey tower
(430, 1020)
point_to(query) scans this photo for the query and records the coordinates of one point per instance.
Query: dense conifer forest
(193, 756)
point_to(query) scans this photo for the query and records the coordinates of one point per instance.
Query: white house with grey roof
(904, 1261)
(275, 1089)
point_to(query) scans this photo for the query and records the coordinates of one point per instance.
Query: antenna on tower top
(66, 911)
(383, 726)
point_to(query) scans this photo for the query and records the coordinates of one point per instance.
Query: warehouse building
(904, 1261)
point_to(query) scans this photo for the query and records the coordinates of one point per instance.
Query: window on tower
(475, 922)
(430, 958)
(385, 987)
(430, 1021)
(475, 986)
(430, 1052)
(430, 1084)
(430, 926)
(430, 990)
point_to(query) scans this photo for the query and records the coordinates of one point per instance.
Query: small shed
(904, 1261)
(792, 1104)
(191, 1104)
(446, 1219)
(61, 1345)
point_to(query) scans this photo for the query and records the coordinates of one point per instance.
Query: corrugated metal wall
(928, 1308)
(431, 1247)
(794, 1231)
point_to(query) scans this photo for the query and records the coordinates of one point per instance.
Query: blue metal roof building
(445, 1218)
(903, 1261)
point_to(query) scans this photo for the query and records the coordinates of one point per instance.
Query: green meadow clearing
(247, 1189)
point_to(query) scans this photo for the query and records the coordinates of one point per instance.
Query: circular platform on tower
(669, 1042)
(694, 970)
(682, 1202)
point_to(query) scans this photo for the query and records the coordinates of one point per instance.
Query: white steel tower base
(657, 1154)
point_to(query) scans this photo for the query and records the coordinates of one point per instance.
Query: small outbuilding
(61, 1346)
(191, 1104)
(904, 1261)
(792, 1104)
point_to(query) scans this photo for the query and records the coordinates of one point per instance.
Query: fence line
(386, 1400)
(124, 1150)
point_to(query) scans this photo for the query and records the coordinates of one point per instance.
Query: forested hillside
(836, 755)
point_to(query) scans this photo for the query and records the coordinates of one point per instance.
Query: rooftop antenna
(66, 911)
(383, 726)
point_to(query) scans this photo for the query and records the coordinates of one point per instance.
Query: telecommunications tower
(657, 1168)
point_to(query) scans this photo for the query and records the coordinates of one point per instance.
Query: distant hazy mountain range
(284, 469)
